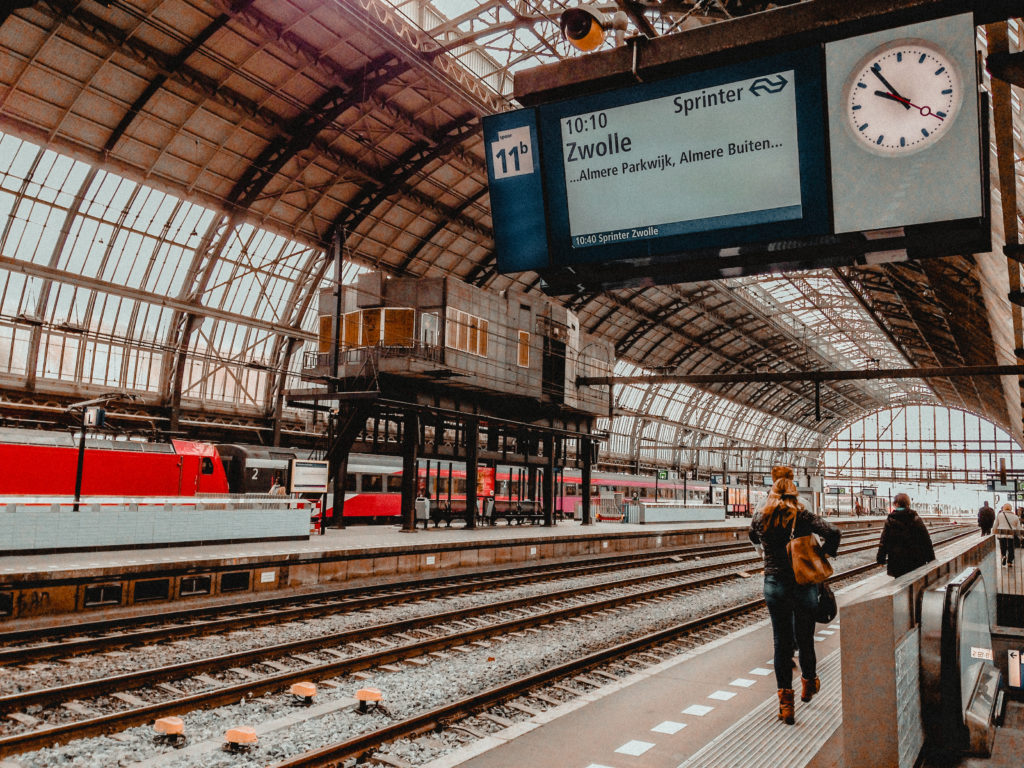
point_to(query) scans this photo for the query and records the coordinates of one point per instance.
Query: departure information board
(712, 158)
(681, 163)
(813, 157)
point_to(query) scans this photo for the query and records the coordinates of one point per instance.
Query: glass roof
(97, 265)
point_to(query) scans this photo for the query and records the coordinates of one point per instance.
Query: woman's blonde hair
(782, 505)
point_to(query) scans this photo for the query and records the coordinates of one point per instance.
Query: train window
(460, 486)
(234, 581)
(372, 483)
(350, 482)
(194, 585)
(6, 603)
(152, 589)
(207, 468)
(595, 490)
(571, 489)
(394, 483)
(102, 594)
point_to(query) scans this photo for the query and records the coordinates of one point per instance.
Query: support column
(472, 438)
(410, 443)
(548, 488)
(340, 470)
(585, 449)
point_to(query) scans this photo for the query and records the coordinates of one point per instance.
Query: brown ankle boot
(809, 688)
(786, 705)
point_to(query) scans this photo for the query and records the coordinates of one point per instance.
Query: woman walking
(790, 605)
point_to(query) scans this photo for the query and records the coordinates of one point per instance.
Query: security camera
(583, 27)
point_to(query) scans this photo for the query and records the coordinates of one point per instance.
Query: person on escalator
(905, 543)
(790, 605)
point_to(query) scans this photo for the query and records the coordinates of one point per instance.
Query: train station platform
(709, 708)
(36, 586)
(717, 705)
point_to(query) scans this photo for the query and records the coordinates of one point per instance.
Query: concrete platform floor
(714, 707)
(352, 538)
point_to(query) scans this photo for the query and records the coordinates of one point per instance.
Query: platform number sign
(517, 194)
(512, 153)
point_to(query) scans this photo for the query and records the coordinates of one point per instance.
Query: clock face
(902, 97)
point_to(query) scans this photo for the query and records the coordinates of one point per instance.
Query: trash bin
(422, 508)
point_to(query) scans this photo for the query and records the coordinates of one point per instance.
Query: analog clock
(902, 97)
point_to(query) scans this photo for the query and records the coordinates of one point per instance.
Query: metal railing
(358, 355)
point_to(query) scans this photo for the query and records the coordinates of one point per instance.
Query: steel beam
(813, 376)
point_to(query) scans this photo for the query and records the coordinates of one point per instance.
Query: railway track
(436, 640)
(23, 646)
(365, 743)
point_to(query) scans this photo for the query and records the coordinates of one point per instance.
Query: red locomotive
(45, 464)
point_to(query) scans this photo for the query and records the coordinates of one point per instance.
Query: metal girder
(301, 131)
(422, 51)
(407, 166)
(817, 376)
(158, 82)
(438, 227)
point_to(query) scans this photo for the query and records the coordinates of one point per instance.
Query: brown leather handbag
(810, 566)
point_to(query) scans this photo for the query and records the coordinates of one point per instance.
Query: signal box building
(442, 330)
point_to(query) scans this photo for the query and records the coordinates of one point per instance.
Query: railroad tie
(248, 674)
(390, 760)
(129, 699)
(504, 722)
(24, 719)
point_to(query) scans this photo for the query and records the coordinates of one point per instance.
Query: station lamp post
(94, 416)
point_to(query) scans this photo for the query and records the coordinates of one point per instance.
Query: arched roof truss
(176, 171)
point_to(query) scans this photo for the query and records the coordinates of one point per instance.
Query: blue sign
(517, 195)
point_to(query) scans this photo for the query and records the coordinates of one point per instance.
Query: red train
(44, 464)
(373, 488)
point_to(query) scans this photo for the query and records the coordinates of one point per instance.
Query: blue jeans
(791, 607)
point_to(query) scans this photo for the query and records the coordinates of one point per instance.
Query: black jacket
(905, 543)
(776, 558)
(986, 518)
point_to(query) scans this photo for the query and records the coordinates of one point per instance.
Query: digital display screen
(705, 160)
(708, 158)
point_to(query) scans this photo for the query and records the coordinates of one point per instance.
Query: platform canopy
(173, 172)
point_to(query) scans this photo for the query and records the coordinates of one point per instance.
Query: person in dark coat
(905, 543)
(986, 519)
(791, 606)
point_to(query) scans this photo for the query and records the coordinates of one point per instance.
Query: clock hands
(877, 72)
(925, 111)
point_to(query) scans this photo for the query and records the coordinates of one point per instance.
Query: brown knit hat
(780, 471)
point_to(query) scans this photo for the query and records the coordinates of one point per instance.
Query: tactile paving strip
(760, 733)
